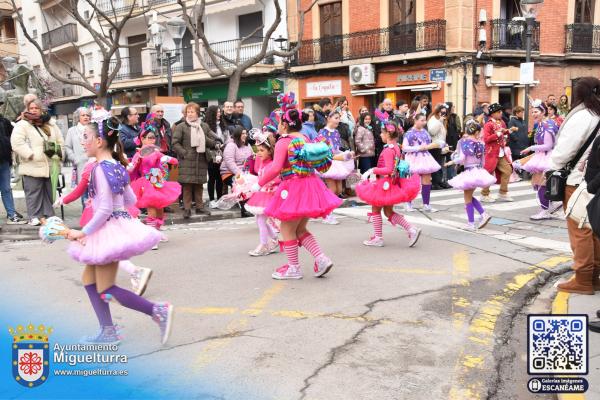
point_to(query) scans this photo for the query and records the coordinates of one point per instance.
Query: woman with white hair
(75, 151)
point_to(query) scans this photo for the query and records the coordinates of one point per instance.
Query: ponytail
(118, 154)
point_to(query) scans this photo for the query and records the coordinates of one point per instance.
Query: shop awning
(141, 108)
(226, 5)
(412, 88)
(509, 83)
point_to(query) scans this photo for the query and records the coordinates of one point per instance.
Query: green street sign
(266, 87)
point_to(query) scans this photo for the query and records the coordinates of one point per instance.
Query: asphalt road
(386, 323)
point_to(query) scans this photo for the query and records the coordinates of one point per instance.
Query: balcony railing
(583, 38)
(131, 68)
(118, 6)
(228, 48)
(183, 63)
(397, 39)
(59, 36)
(510, 35)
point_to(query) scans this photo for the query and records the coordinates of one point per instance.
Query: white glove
(366, 175)
(58, 202)
(255, 187)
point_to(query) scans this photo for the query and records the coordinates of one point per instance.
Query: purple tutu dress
(545, 137)
(339, 170)
(470, 153)
(112, 234)
(421, 161)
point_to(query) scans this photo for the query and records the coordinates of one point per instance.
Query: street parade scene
(391, 199)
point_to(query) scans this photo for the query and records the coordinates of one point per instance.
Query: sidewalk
(566, 303)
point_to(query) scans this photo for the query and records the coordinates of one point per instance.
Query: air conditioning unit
(362, 74)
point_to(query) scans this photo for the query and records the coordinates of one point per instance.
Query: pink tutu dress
(81, 188)
(112, 234)
(301, 193)
(421, 161)
(259, 200)
(545, 136)
(470, 153)
(389, 189)
(339, 170)
(149, 176)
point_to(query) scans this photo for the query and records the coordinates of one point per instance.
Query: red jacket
(493, 144)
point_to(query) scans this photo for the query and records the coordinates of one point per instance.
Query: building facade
(371, 49)
(142, 78)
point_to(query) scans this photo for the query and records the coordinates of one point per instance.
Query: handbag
(556, 180)
(593, 214)
(577, 206)
(50, 148)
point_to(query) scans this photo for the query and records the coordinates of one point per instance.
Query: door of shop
(403, 27)
(332, 46)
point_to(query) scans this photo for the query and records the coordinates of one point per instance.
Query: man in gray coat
(75, 151)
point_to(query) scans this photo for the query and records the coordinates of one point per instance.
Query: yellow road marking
(211, 352)
(472, 357)
(560, 305)
(460, 277)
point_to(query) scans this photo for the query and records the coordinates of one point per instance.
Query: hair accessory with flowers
(98, 117)
(287, 102)
(540, 105)
(151, 124)
(271, 123)
(390, 128)
(260, 137)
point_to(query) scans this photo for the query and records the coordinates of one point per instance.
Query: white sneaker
(287, 272)
(487, 199)
(375, 241)
(429, 209)
(213, 204)
(155, 247)
(483, 220)
(273, 246)
(323, 265)
(34, 222)
(470, 226)
(164, 239)
(259, 251)
(139, 280)
(554, 206)
(413, 236)
(505, 197)
(543, 214)
(330, 220)
(408, 207)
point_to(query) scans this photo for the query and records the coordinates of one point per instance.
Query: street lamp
(530, 9)
(176, 28)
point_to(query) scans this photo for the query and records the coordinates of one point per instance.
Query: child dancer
(545, 138)
(149, 174)
(416, 146)
(301, 194)
(388, 189)
(112, 235)
(470, 153)
(139, 276)
(265, 147)
(342, 164)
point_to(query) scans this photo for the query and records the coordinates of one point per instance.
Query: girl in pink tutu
(342, 164)
(265, 148)
(545, 139)
(301, 194)
(112, 235)
(148, 171)
(416, 146)
(139, 275)
(470, 153)
(388, 189)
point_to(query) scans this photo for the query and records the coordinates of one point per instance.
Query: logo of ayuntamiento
(30, 354)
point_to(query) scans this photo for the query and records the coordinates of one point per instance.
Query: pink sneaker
(375, 241)
(413, 236)
(287, 272)
(323, 265)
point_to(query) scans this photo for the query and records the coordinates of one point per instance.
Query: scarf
(197, 138)
(39, 121)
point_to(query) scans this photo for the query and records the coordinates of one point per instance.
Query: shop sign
(417, 76)
(265, 87)
(324, 88)
(437, 75)
(527, 74)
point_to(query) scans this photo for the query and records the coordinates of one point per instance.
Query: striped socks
(397, 219)
(309, 242)
(290, 247)
(377, 222)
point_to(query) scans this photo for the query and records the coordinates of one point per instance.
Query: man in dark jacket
(518, 140)
(14, 217)
(230, 118)
(322, 110)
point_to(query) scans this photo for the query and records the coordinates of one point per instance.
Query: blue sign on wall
(437, 75)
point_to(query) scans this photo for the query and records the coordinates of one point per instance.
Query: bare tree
(218, 64)
(105, 25)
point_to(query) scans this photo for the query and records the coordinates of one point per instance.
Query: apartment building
(142, 76)
(371, 49)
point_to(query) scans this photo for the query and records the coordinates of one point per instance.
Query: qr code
(557, 344)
